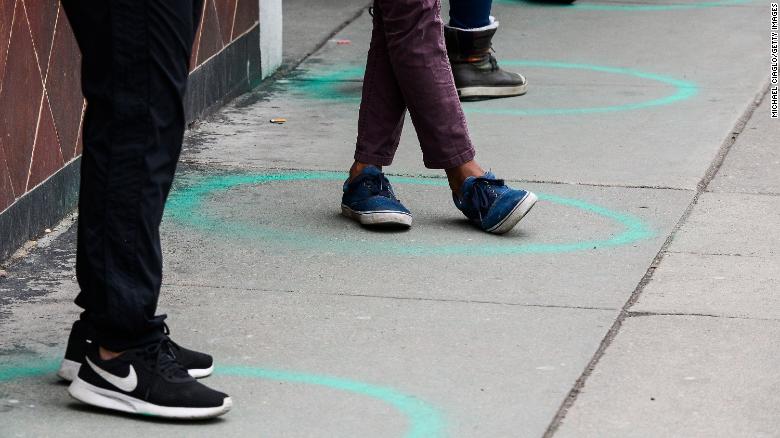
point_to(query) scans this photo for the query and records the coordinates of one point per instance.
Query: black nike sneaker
(146, 381)
(199, 365)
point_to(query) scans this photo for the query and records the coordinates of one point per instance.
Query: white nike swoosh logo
(126, 384)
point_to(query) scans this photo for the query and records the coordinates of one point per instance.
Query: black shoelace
(493, 62)
(175, 348)
(483, 193)
(163, 359)
(379, 185)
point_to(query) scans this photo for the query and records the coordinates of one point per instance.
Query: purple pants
(408, 67)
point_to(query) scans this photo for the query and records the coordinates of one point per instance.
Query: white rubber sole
(378, 217)
(201, 373)
(488, 92)
(68, 370)
(521, 209)
(103, 398)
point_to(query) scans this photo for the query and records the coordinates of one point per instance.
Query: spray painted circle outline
(643, 8)
(323, 87)
(424, 420)
(185, 207)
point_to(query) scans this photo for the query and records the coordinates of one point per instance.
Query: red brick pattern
(47, 158)
(210, 42)
(20, 101)
(247, 13)
(41, 107)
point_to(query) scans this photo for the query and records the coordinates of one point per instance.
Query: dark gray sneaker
(475, 69)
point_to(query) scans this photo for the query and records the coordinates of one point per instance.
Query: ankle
(108, 354)
(458, 175)
(358, 167)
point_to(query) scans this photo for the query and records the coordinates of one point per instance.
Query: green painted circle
(185, 206)
(589, 6)
(326, 86)
(683, 90)
(424, 420)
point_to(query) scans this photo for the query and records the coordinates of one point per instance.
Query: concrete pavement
(637, 299)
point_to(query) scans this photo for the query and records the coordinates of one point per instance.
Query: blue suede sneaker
(492, 205)
(369, 199)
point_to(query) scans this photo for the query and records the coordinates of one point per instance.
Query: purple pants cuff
(449, 163)
(376, 160)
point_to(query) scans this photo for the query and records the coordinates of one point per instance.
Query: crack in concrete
(236, 288)
(613, 331)
(724, 254)
(498, 303)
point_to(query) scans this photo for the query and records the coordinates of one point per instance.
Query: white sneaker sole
(521, 209)
(378, 217)
(70, 369)
(103, 398)
(487, 92)
(201, 373)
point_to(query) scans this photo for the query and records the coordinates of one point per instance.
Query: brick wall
(41, 106)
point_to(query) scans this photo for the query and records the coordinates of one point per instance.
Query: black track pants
(135, 57)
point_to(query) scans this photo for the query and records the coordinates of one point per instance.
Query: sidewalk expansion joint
(728, 192)
(613, 331)
(632, 314)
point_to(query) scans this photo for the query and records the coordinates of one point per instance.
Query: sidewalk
(636, 300)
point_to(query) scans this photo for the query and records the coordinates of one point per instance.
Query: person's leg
(134, 76)
(135, 63)
(470, 14)
(413, 30)
(368, 196)
(382, 107)
(426, 80)
(427, 89)
(417, 54)
(469, 37)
